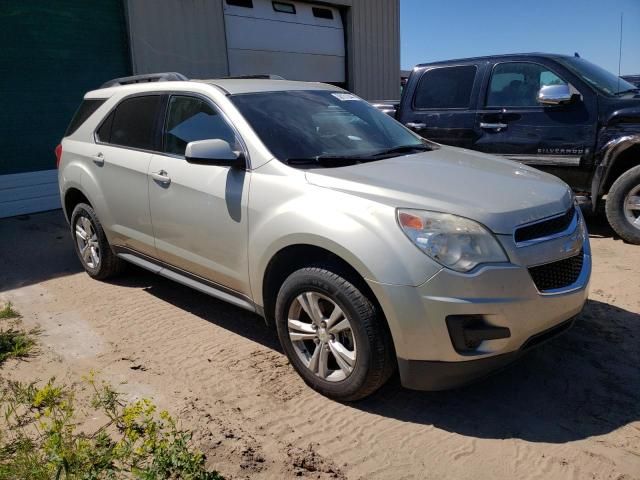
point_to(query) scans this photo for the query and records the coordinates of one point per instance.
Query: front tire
(333, 335)
(623, 206)
(91, 244)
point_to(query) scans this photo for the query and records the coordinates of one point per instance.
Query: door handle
(417, 126)
(161, 177)
(98, 159)
(493, 126)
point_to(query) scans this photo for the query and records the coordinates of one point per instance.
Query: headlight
(455, 242)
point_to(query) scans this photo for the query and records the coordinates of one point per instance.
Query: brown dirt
(570, 409)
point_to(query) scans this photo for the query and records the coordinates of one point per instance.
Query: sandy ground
(570, 409)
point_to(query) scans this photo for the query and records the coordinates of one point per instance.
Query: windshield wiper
(421, 147)
(326, 160)
(630, 90)
(342, 160)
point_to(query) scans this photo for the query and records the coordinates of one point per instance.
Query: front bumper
(502, 296)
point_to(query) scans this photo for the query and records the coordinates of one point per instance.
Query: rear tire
(91, 244)
(623, 217)
(356, 352)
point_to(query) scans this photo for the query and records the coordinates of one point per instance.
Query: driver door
(512, 124)
(199, 211)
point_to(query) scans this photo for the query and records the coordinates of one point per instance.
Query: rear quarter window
(445, 87)
(85, 110)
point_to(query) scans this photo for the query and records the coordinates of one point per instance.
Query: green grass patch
(8, 312)
(16, 343)
(40, 439)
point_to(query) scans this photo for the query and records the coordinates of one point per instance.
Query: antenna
(620, 51)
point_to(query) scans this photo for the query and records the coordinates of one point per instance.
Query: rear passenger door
(442, 108)
(124, 142)
(199, 211)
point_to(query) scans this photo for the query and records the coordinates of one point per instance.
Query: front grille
(545, 228)
(560, 274)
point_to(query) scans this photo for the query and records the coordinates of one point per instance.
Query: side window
(86, 109)
(190, 119)
(516, 84)
(446, 87)
(133, 123)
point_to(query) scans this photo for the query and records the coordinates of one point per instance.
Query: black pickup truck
(559, 113)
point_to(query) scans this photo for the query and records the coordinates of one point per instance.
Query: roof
(230, 86)
(490, 57)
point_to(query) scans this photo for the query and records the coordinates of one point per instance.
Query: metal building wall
(185, 36)
(188, 36)
(373, 48)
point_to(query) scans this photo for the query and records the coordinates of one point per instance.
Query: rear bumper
(434, 375)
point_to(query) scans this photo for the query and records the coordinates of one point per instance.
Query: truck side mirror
(555, 95)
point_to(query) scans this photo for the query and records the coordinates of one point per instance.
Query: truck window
(516, 84)
(445, 87)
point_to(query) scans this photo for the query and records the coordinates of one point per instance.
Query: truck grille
(560, 274)
(545, 228)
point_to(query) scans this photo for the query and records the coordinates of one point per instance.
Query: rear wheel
(91, 244)
(623, 206)
(333, 335)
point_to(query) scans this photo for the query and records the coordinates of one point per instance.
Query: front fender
(615, 141)
(362, 232)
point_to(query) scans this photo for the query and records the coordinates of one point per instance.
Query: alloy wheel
(322, 336)
(632, 207)
(87, 240)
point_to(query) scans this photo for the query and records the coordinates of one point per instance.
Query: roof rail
(265, 76)
(149, 77)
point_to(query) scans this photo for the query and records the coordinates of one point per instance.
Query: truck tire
(333, 335)
(623, 206)
(91, 244)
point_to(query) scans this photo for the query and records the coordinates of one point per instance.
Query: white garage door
(296, 40)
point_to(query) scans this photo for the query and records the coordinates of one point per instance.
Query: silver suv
(369, 248)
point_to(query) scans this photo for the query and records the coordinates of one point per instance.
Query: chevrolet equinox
(369, 248)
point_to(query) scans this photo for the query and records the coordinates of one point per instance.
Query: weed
(40, 439)
(8, 312)
(17, 343)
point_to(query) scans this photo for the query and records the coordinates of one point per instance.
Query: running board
(188, 281)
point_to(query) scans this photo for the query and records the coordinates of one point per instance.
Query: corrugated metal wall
(373, 48)
(185, 36)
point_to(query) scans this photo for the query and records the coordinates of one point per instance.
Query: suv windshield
(599, 78)
(315, 126)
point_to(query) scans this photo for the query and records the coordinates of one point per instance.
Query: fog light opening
(467, 332)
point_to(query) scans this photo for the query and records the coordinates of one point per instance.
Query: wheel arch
(618, 155)
(72, 197)
(292, 257)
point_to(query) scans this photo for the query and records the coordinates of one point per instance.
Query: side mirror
(554, 95)
(214, 152)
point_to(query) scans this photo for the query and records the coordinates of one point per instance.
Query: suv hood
(501, 194)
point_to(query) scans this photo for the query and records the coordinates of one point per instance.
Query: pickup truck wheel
(623, 206)
(91, 244)
(333, 335)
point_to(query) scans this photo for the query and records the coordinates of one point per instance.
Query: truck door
(511, 123)
(440, 108)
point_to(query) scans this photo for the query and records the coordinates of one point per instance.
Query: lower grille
(560, 274)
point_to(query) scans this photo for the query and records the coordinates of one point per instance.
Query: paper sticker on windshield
(345, 97)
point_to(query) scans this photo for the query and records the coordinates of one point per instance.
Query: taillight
(58, 151)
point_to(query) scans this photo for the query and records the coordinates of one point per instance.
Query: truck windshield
(303, 127)
(599, 78)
